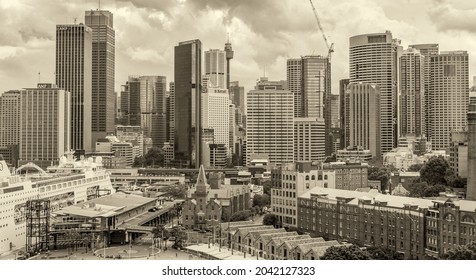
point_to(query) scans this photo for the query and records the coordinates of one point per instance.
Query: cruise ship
(70, 182)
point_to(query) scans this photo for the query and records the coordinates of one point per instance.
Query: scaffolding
(37, 225)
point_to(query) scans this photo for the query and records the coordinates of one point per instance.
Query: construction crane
(330, 47)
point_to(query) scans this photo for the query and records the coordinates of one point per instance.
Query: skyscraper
(309, 139)
(237, 96)
(187, 79)
(342, 91)
(309, 78)
(215, 105)
(103, 62)
(449, 91)
(427, 50)
(215, 68)
(270, 126)
(9, 118)
(45, 124)
(294, 80)
(171, 113)
(73, 74)
(471, 188)
(153, 108)
(412, 88)
(362, 117)
(373, 59)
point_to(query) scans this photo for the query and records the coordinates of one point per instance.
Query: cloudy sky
(264, 33)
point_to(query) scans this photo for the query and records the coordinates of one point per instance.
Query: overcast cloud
(264, 33)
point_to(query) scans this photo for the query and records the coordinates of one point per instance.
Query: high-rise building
(232, 129)
(9, 118)
(427, 50)
(229, 56)
(237, 96)
(216, 114)
(294, 80)
(412, 88)
(362, 116)
(153, 108)
(335, 109)
(74, 74)
(45, 124)
(471, 188)
(309, 139)
(215, 68)
(309, 78)
(170, 113)
(342, 91)
(449, 91)
(374, 59)
(103, 62)
(187, 79)
(270, 126)
(130, 101)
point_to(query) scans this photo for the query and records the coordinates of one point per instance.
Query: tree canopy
(176, 191)
(345, 253)
(267, 187)
(415, 167)
(180, 237)
(241, 216)
(270, 220)
(465, 252)
(422, 189)
(261, 200)
(381, 253)
(153, 157)
(434, 171)
(381, 174)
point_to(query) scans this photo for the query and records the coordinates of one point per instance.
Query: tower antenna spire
(99, 5)
(228, 37)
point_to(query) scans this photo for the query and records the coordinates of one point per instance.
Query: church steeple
(202, 185)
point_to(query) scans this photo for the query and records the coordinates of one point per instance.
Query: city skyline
(259, 42)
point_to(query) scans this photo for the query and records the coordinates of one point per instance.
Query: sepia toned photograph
(181, 131)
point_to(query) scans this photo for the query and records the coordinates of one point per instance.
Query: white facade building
(216, 114)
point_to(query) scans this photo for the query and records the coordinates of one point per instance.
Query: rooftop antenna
(75, 20)
(99, 5)
(39, 77)
(264, 71)
(228, 37)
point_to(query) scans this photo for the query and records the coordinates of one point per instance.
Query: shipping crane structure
(330, 47)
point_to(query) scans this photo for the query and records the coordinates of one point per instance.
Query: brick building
(413, 227)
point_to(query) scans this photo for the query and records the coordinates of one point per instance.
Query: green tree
(178, 191)
(464, 252)
(241, 216)
(415, 167)
(267, 187)
(270, 220)
(160, 232)
(381, 174)
(345, 253)
(435, 170)
(180, 237)
(153, 157)
(261, 200)
(422, 189)
(381, 253)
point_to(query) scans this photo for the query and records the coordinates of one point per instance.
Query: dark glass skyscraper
(187, 78)
(103, 55)
(73, 74)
